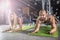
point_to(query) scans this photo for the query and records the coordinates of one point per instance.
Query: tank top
(47, 21)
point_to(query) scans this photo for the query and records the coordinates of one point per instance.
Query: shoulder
(51, 17)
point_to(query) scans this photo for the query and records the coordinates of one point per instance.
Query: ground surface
(22, 35)
(44, 32)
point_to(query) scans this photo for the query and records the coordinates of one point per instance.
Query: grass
(43, 32)
(27, 27)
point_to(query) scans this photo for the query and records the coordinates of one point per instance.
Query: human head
(42, 13)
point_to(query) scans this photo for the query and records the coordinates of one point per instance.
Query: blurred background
(30, 9)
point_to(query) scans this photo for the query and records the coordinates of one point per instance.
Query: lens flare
(5, 9)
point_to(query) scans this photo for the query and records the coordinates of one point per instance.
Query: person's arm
(37, 25)
(53, 24)
(13, 20)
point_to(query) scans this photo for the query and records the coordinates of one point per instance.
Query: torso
(45, 20)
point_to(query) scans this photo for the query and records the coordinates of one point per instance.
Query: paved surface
(22, 36)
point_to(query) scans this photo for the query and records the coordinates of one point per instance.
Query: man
(14, 20)
(44, 18)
